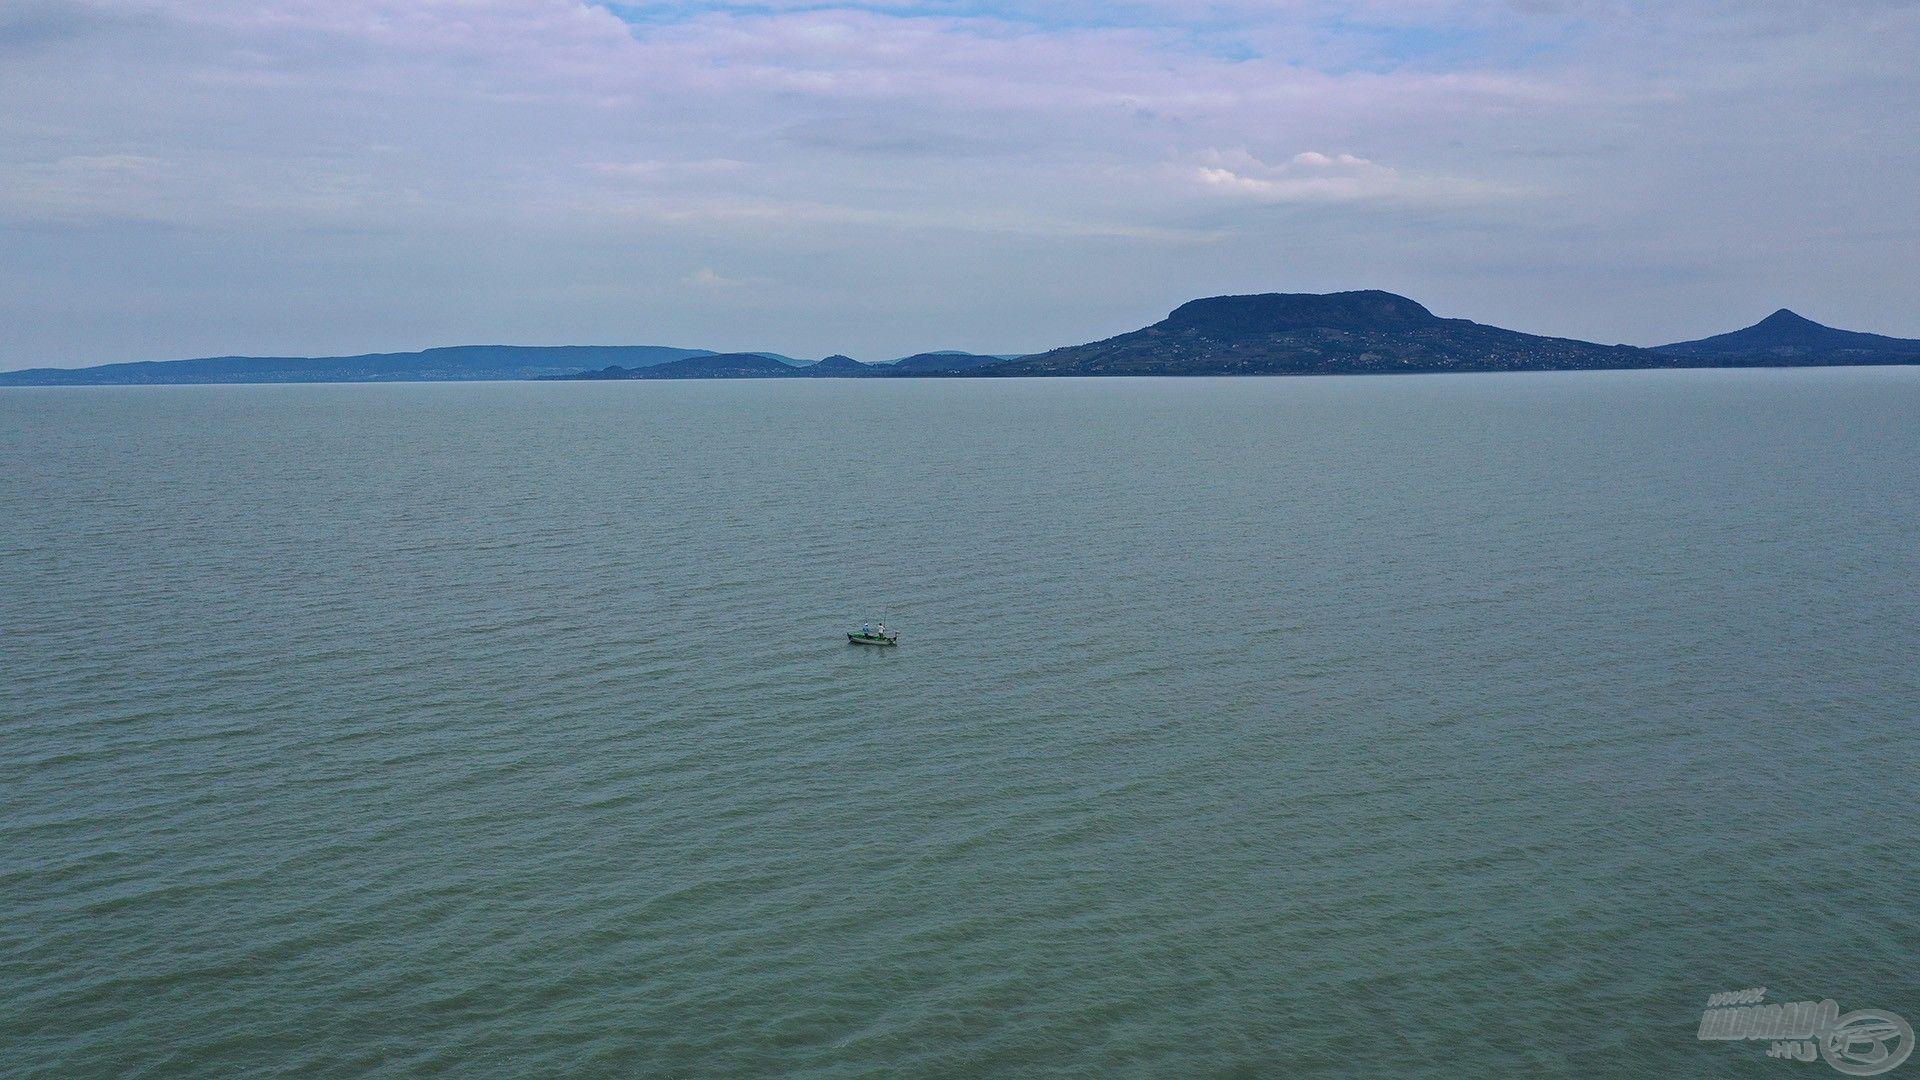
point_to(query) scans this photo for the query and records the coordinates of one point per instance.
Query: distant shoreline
(1367, 332)
(964, 377)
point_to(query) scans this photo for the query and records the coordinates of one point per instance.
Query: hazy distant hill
(1784, 338)
(460, 362)
(929, 362)
(708, 366)
(1368, 332)
(836, 367)
(749, 366)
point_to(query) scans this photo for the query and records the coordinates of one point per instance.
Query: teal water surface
(1420, 726)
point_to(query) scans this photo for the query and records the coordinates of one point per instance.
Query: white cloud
(708, 278)
(1311, 176)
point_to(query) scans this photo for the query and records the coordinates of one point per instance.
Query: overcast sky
(195, 177)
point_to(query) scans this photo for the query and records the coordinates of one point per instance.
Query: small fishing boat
(874, 635)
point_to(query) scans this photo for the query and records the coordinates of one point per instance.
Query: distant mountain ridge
(1363, 332)
(1786, 336)
(941, 362)
(708, 366)
(453, 363)
(836, 367)
(1349, 333)
(748, 366)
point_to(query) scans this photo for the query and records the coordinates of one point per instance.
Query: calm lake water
(1419, 726)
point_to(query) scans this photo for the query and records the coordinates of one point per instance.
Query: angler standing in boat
(868, 634)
